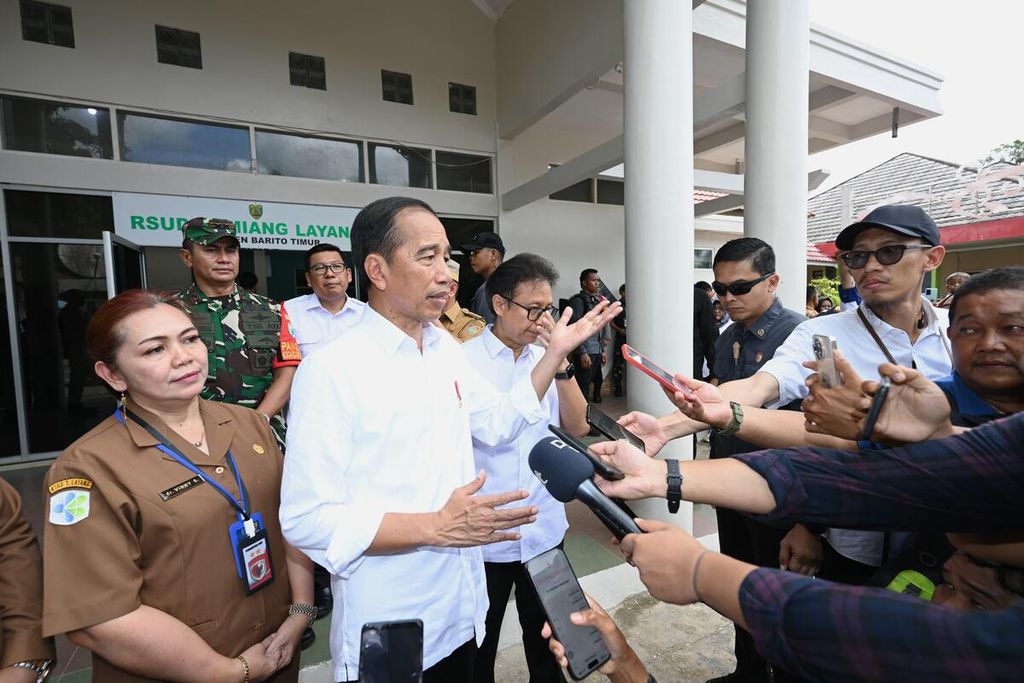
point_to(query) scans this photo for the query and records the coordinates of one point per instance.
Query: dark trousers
(501, 577)
(841, 569)
(749, 541)
(590, 376)
(455, 668)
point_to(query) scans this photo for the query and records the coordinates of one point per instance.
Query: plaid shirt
(825, 632)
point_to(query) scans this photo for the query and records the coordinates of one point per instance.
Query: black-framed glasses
(533, 313)
(885, 256)
(322, 268)
(740, 287)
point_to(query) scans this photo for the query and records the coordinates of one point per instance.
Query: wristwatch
(674, 479)
(734, 423)
(41, 667)
(569, 373)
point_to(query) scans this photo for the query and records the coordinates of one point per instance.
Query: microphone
(567, 474)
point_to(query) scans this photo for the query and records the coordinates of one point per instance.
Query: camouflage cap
(208, 230)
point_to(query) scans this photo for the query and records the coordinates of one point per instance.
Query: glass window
(306, 157)
(178, 47)
(53, 214)
(307, 71)
(42, 22)
(462, 98)
(611, 192)
(9, 445)
(702, 258)
(57, 288)
(400, 166)
(396, 87)
(153, 140)
(56, 128)
(463, 172)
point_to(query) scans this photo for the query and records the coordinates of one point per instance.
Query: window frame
(395, 89)
(178, 50)
(305, 71)
(49, 12)
(462, 97)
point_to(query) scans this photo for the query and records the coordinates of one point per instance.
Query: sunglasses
(740, 287)
(885, 256)
(532, 314)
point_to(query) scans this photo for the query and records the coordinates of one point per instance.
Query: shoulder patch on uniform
(69, 507)
(73, 483)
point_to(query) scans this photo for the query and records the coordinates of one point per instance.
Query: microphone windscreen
(560, 467)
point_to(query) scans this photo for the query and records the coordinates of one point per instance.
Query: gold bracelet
(245, 668)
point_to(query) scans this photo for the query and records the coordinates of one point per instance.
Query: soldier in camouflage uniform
(459, 322)
(242, 330)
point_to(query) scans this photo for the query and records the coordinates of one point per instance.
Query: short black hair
(702, 285)
(519, 269)
(247, 280)
(322, 247)
(585, 273)
(1009, 277)
(757, 251)
(375, 231)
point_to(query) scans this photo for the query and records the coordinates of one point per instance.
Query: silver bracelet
(41, 667)
(306, 610)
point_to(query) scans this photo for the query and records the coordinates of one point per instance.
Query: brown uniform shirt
(127, 526)
(462, 324)
(21, 585)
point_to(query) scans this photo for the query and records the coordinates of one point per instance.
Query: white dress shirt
(313, 326)
(377, 426)
(930, 354)
(507, 465)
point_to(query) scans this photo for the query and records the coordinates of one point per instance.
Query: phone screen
(391, 652)
(610, 428)
(560, 595)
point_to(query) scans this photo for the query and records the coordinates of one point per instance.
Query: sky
(975, 45)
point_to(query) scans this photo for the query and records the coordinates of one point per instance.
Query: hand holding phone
(560, 595)
(649, 368)
(824, 348)
(601, 467)
(610, 428)
(876, 408)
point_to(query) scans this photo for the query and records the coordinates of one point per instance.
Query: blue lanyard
(242, 507)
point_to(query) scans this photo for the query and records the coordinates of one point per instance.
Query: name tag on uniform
(252, 553)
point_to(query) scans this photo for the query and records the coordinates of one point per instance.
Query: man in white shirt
(379, 483)
(506, 352)
(888, 253)
(323, 315)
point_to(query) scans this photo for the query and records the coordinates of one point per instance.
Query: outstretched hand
(836, 411)
(700, 401)
(565, 338)
(916, 409)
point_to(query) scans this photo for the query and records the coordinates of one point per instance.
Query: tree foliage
(1009, 152)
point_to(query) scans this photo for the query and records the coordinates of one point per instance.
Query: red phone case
(667, 383)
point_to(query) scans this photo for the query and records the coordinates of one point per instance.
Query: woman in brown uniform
(163, 550)
(25, 655)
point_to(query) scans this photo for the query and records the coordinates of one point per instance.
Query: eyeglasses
(321, 268)
(885, 256)
(740, 287)
(533, 314)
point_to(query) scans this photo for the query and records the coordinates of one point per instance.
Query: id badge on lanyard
(247, 535)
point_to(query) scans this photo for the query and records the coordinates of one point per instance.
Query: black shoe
(596, 399)
(618, 393)
(734, 677)
(323, 600)
(308, 638)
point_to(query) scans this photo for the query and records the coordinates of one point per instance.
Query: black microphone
(567, 474)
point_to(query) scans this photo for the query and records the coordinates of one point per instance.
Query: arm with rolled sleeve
(824, 631)
(317, 514)
(786, 366)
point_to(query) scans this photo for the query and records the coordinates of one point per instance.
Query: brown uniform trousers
(154, 535)
(21, 586)
(462, 324)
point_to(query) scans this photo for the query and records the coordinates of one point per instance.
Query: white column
(658, 126)
(775, 183)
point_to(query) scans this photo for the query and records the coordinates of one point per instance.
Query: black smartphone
(604, 469)
(391, 652)
(876, 408)
(603, 423)
(560, 595)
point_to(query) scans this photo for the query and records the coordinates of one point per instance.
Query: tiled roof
(951, 194)
(816, 257)
(701, 196)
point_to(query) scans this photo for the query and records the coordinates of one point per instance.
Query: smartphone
(876, 408)
(602, 468)
(646, 366)
(560, 595)
(610, 428)
(824, 346)
(391, 652)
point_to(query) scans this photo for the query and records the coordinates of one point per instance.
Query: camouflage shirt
(242, 333)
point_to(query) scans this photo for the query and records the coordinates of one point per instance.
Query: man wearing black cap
(888, 253)
(486, 252)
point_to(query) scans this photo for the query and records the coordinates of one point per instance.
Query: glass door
(125, 264)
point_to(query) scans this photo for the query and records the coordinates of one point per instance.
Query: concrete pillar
(658, 128)
(775, 183)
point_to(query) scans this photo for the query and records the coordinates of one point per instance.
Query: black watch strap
(570, 371)
(674, 479)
